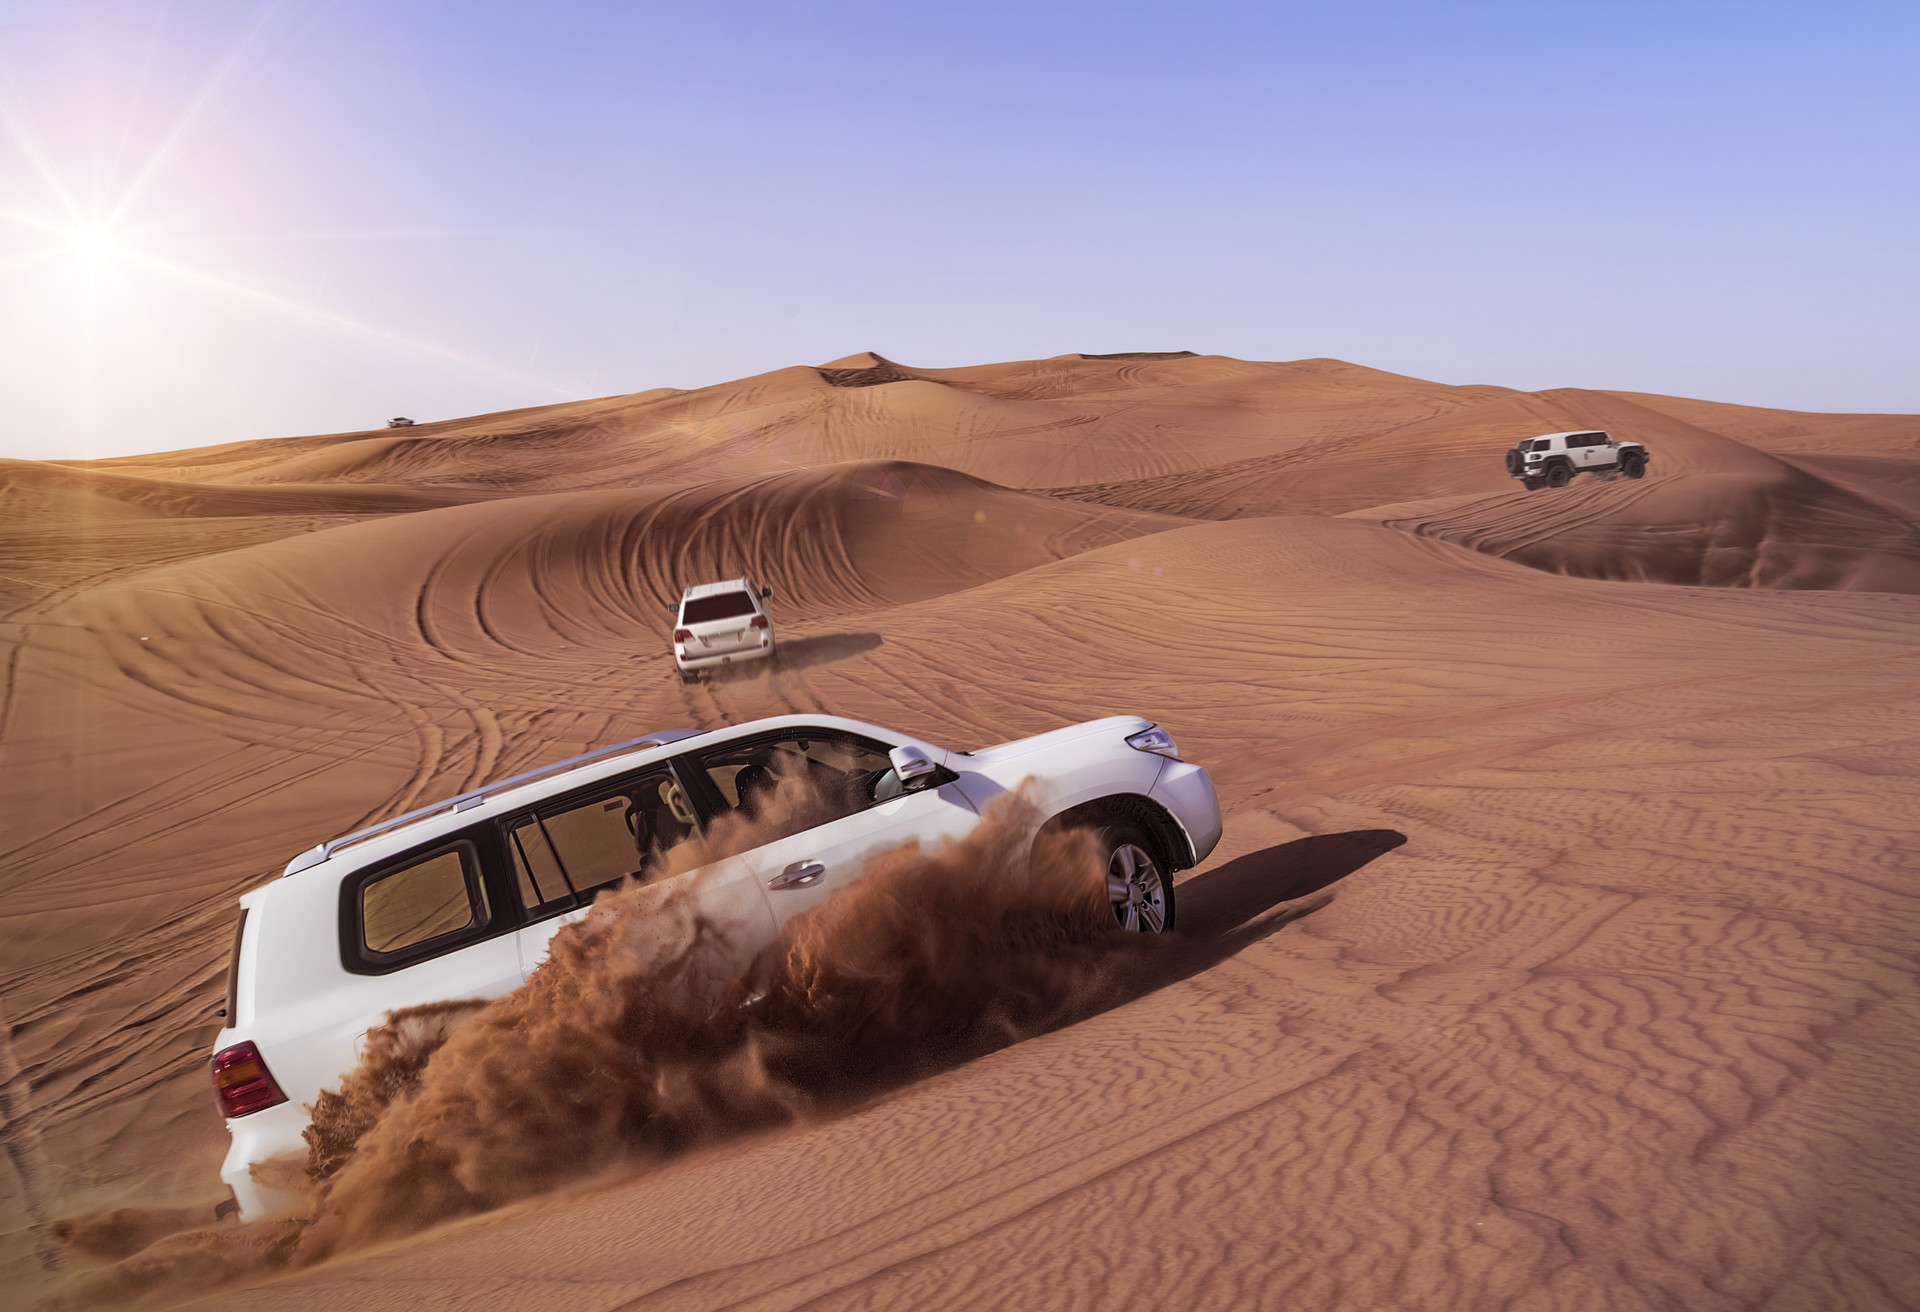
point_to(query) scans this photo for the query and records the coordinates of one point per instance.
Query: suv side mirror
(766, 594)
(912, 766)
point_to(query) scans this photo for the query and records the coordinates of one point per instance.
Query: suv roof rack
(313, 856)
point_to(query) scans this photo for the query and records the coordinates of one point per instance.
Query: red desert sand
(1559, 954)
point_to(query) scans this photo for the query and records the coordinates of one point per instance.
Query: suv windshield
(724, 606)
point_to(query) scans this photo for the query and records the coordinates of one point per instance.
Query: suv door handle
(797, 875)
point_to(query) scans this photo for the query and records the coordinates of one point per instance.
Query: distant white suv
(1552, 459)
(458, 900)
(721, 624)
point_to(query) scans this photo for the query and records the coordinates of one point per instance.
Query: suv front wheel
(1139, 886)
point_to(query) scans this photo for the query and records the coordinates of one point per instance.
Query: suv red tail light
(757, 622)
(242, 1082)
(683, 635)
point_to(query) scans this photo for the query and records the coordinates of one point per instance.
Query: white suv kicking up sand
(722, 624)
(459, 900)
(1552, 459)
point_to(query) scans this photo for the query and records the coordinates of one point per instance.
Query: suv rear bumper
(738, 656)
(266, 1164)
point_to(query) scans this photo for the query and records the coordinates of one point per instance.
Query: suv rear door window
(565, 851)
(723, 606)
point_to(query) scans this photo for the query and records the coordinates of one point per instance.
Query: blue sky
(225, 220)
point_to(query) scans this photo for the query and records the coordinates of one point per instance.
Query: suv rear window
(722, 606)
(429, 898)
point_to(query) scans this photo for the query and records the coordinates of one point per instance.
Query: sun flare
(112, 268)
(93, 242)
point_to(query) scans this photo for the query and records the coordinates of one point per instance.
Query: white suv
(459, 899)
(1552, 459)
(721, 624)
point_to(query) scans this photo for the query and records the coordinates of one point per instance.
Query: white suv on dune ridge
(1552, 459)
(458, 900)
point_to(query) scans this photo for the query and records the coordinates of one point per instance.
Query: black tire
(1633, 465)
(1532, 484)
(1136, 869)
(1559, 476)
(1514, 461)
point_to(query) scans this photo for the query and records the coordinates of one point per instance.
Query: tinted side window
(568, 849)
(827, 761)
(427, 898)
(796, 780)
(594, 842)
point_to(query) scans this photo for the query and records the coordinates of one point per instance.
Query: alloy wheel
(1136, 889)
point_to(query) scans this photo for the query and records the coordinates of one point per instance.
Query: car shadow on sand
(797, 654)
(932, 1017)
(1216, 901)
(1220, 913)
(805, 653)
(1223, 911)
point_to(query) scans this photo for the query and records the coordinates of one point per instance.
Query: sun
(94, 243)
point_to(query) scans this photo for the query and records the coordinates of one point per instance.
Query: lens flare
(110, 273)
(93, 243)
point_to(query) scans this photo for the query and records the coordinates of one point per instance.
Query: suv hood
(1116, 726)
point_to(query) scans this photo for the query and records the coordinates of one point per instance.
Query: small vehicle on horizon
(1552, 459)
(459, 900)
(721, 624)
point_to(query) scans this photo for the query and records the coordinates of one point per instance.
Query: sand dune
(1790, 530)
(1788, 432)
(33, 491)
(1450, 453)
(1039, 423)
(1558, 954)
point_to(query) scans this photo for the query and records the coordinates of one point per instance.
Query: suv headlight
(1157, 741)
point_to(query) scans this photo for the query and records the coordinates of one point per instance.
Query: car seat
(754, 784)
